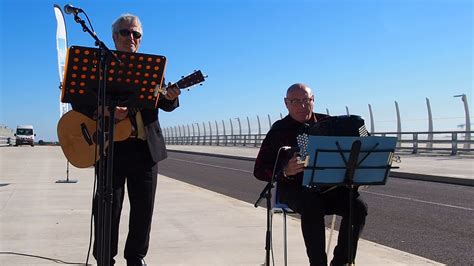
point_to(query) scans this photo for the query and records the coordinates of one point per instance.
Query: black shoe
(140, 262)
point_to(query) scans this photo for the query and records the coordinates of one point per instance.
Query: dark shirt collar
(315, 117)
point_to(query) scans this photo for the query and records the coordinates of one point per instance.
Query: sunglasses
(125, 33)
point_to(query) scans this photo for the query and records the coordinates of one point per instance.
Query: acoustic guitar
(77, 132)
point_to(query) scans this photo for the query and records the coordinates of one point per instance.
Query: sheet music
(323, 155)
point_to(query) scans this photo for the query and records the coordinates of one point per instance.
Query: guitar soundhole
(86, 134)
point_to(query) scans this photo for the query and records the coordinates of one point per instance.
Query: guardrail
(452, 142)
(7, 141)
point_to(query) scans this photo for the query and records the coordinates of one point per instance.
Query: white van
(25, 135)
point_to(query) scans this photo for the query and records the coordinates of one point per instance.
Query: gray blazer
(155, 139)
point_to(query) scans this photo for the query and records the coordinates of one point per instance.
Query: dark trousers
(132, 166)
(313, 206)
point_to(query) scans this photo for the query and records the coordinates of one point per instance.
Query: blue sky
(351, 53)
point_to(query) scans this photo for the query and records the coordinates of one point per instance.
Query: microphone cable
(94, 188)
(41, 257)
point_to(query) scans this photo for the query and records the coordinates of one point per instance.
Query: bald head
(299, 87)
(300, 102)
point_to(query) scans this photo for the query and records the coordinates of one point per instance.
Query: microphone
(70, 9)
(290, 149)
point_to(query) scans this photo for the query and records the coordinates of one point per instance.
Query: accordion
(344, 125)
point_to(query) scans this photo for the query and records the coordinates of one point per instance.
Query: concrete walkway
(192, 226)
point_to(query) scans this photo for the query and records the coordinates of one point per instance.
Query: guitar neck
(186, 82)
(174, 85)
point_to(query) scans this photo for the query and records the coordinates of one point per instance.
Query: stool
(278, 207)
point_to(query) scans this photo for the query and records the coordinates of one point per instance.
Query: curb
(395, 174)
(434, 178)
(215, 155)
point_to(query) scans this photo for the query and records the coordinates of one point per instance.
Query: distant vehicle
(25, 135)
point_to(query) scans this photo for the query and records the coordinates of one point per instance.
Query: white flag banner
(61, 45)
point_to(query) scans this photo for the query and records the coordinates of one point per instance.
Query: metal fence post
(429, 143)
(199, 135)
(225, 135)
(204, 140)
(467, 135)
(217, 133)
(232, 131)
(174, 134)
(415, 143)
(259, 131)
(399, 125)
(175, 140)
(180, 134)
(188, 138)
(176, 129)
(171, 135)
(183, 136)
(454, 143)
(210, 133)
(165, 134)
(372, 126)
(248, 125)
(240, 131)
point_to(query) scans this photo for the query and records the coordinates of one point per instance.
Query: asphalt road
(432, 220)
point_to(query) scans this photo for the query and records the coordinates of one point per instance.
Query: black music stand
(350, 162)
(133, 82)
(93, 78)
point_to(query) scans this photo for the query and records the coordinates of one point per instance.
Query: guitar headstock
(195, 78)
(185, 82)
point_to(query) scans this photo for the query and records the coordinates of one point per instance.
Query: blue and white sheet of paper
(326, 166)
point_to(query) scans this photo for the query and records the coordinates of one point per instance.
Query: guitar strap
(132, 111)
(138, 130)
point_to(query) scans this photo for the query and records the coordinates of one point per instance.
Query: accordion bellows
(344, 125)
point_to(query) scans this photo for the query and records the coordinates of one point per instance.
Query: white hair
(125, 17)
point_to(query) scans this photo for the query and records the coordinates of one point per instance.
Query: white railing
(451, 142)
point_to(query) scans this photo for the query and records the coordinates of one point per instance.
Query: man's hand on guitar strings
(121, 113)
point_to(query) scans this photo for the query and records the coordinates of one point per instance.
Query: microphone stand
(267, 194)
(104, 191)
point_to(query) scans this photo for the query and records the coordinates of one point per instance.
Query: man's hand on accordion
(293, 167)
